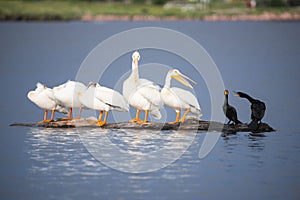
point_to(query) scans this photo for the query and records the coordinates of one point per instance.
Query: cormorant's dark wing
(258, 110)
(231, 113)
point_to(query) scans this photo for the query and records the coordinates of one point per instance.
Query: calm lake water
(261, 58)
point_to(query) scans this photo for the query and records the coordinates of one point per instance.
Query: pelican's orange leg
(79, 114)
(69, 116)
(177, 118)
(184, 115)
(102, 123)
(52, 116)
(45, 117)
(99, 120)
(105, 118)
(100, 116)
(146, 117)
(137, 117)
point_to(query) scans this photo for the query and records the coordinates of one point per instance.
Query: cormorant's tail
(237, 122)
(253, 125)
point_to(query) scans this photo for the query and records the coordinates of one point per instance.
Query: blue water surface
(261, 58)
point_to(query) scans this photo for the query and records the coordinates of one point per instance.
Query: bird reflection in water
(256, 143)
(136, 150)
(74, 151)
(59, 153)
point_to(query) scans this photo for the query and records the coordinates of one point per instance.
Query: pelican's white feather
(97, 97)
(43, 97)
(67, 94)
(88, 99)
(188, 98)
(112, 98)
(142, 94)
(143, 81)
(151, 93)
(177, 98)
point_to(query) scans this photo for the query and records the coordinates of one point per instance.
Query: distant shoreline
(113, 11)
(266, 16)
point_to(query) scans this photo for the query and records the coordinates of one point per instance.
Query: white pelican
(141, 94)
(100, 98)
(43, 97)
(180, 99)
(67, 95)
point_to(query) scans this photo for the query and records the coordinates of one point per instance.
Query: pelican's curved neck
(168, 80)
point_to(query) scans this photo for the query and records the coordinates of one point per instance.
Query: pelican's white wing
(67, 93)
(89, 101)
(39, 87)
(188, 98)
(150, 91)
(143, 81)
(47, 91)
(44, 98)
(50, 94)
(58, 107)
(111, 97)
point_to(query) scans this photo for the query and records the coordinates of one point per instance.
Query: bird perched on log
(67, 95)
(142, 94)
(230, 111)
(258, 109)
(44, 98)
(180, 99)
(103, 99)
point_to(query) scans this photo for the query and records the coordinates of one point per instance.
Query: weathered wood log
(189, 124)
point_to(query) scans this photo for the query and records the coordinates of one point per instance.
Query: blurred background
(150, 10)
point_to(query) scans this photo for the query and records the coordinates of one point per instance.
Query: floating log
(189, 124)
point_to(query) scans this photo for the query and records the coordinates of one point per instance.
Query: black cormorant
(258, 109)
(229, 110)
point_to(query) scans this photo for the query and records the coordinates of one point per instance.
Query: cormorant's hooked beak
(236, 94)
(183, 79)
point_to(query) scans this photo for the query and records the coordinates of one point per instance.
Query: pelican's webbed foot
(101, 123)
